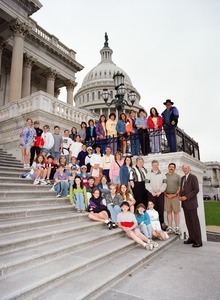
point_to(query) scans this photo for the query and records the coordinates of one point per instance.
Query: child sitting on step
(38, 171)
(78, 197)
(98, 210)
(155, 223)
(143, 220)
(128, 223)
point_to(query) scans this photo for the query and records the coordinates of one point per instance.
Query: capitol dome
(99, 78)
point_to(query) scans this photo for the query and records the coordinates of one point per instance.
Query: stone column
(26, 86)
(70, 85)
(2, 45)
(19, 30)
(51, 76)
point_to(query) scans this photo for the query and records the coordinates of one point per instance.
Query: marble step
(23, 212)
(21, 224)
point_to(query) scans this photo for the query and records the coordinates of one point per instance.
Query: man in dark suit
(188, 197)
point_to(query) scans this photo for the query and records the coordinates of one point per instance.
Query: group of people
(144, 133)
(85, 167)
(116, 192)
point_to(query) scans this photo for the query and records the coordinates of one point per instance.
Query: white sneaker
(25, 166)
(43, 182)
(149, 246)
(36, 182)
(58, 196)
(177, 231)
(28, 166)
(48, 181)
(155, 245)
(169, 230)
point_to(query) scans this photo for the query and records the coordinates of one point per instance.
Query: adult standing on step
(172, 203)
(27, 136)
(137, 177)
(188, 197)
(170, 119)
(156, 185)
(58, 143)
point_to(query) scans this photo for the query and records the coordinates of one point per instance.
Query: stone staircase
(48, 251)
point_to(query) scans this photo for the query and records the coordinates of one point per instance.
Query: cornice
(34, 37)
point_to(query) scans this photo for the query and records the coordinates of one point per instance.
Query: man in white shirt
(156, 184)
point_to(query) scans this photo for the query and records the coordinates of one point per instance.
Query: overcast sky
(169, 48)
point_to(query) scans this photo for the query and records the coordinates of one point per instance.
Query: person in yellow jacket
(111, 132)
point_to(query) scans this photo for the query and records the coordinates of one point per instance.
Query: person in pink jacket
(115, 168)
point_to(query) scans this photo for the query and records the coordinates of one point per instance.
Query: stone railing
(41, 101)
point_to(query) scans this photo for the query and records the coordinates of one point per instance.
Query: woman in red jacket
(154, 123)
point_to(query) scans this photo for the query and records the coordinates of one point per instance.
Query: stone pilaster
(19, 30)
(26, 86)
(51, 75)
(2, 45)
(70, 85)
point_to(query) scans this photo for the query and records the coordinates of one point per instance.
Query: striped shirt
(137, 174)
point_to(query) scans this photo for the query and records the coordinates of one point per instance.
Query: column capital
(70, 84)
(29, 60)
(19, 28)
(51, 73)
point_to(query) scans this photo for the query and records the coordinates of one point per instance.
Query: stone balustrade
(38, 106)
(47, 103)
(50, 38)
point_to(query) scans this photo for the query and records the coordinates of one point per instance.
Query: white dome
(104, 71)
(89, 95)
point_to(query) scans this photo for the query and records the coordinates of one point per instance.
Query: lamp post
(119, 101)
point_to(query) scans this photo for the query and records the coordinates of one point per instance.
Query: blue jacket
(143, 218)
(174, 115)
(124, 175)
(121, 126)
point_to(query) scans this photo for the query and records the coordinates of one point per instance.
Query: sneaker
(36, 182)
(58, 196)
(169, 230)
(25, 166)
(114, 225)
(109, 225)
(149, 246)
(177, 231)
(48, 181)
(28, 166)
(155, 245)
(43, 182)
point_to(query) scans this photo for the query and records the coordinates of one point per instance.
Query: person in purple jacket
(101, 132)
(170, 119)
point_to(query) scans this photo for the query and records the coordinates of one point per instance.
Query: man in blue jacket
(170, 119)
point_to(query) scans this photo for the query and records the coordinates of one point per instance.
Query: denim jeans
(62, 188)
(146, 230)
(171, 137)
(156, 138)
(79, 200)
(56, 154)
(135, 144)
(114, 211)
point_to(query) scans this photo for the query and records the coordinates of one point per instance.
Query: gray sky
(169, 49)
